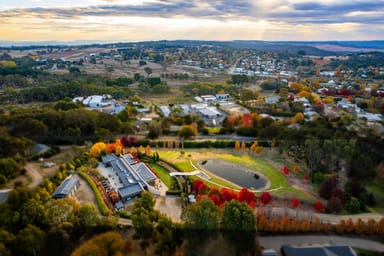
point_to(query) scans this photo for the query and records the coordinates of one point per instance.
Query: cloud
(172, 18)
(288, 11)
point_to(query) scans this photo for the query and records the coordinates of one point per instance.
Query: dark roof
(66, 187)
(108, 158)
(39, 149)
(119, 205)
(131, 190)
(289, 250)
(4, 195)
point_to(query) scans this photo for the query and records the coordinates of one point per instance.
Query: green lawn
(180, 161)
(163, 174)
(377, 190)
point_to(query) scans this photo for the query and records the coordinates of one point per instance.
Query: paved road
(34, 174)
(275, 242)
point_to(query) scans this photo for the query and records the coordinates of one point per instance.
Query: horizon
(157, 20)
(8, 43)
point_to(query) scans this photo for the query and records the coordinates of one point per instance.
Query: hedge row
(99, 199)
(204, 144)
(173, 192)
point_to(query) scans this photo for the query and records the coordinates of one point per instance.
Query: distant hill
(319, 48)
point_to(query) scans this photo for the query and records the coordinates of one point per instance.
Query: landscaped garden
(189, 160)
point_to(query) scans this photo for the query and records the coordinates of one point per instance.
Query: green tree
(144, 216)
(187, 132)
(238, 224)
(6, 240)
(87, 216)
(201, 216)
(148, 70)
(30, 241)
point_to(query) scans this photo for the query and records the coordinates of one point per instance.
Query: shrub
(353, 205)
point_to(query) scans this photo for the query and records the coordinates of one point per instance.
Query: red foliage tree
(215, 199)
(246, 121)
(334, 205)
(248, 197)
(295, 202)
(214, 191)
(227, 195)
(318, 206)
(339, 193)
(128, 141)
(306, 177)
(265, 198)
(196, 185)
(286, 170)
(203, 189)
(327, 186)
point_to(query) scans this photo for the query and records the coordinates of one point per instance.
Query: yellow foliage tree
(8, 63)
(304, 94)
(295, 87)
(298, 118)
(118, 150)
(97, 149)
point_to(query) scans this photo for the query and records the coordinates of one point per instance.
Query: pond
(238, 174)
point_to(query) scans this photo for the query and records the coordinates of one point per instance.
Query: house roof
(108, 158)
(131, 190)
(40, 149)
(144, 172)
(66, 187)
(289, 250)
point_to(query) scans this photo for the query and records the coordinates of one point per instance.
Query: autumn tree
(295, 202)
(98, 149)
(237, 145)
(327, 186)
(106, 244)
(247, 197)
(265, 198)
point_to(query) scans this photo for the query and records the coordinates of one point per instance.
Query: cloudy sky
(136, 20)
